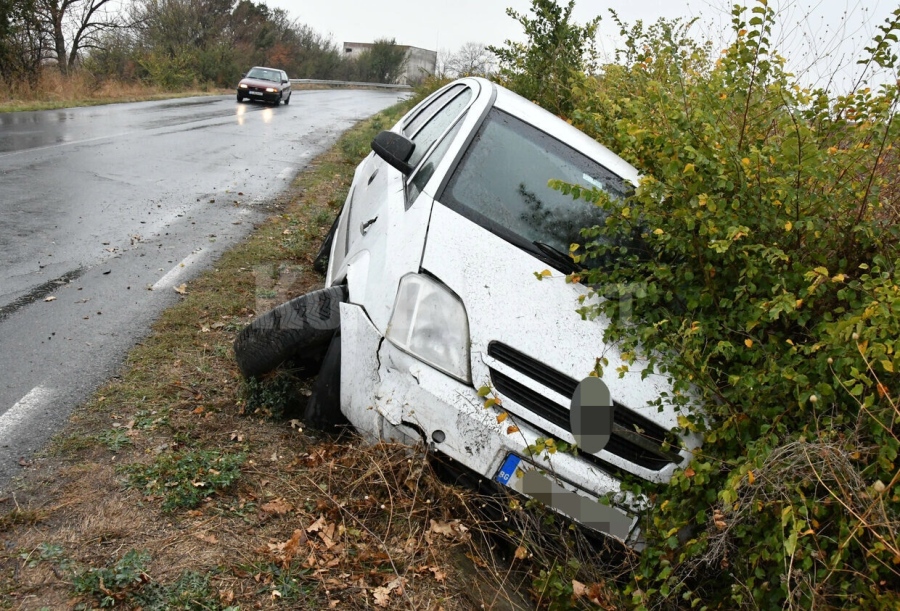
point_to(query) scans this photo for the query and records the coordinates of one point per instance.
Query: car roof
(549, 123)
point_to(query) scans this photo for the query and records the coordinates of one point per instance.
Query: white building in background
(419, 62)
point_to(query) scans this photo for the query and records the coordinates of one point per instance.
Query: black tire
(301, 328)
(323, 410)
(320, 263)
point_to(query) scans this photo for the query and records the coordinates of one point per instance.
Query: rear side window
(428, 125)
(501, 183)
(424, 115)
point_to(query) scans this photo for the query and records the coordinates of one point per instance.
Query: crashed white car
(431, 295)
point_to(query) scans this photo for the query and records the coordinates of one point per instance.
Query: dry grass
(53, 90)
(312, 522)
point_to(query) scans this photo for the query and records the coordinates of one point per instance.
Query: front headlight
(271, 89)
(430, 323)
(242, 86)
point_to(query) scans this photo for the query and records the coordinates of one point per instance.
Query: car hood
(508, 305)
(255, 82)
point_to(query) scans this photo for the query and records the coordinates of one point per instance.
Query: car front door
(388, 222)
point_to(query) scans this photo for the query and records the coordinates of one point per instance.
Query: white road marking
(37, 398)
(172, 275)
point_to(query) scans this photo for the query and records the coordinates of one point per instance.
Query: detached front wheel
(300, 329)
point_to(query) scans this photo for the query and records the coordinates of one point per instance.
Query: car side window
(426, 113)
(426, 171)
(438, 124)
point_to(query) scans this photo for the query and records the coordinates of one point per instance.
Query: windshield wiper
(562, 261)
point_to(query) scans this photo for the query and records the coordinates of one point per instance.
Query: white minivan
(432, 293)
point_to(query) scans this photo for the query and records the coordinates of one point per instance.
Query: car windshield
(501, 183)
(265, 75)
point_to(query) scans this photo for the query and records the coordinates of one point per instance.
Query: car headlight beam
(430, 323)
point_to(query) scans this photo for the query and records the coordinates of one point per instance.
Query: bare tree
(75, 25)
(21, 42)
(471, 59)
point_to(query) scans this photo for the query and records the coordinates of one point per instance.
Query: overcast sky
(811, 27)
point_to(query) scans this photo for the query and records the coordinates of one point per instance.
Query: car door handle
(364, 227)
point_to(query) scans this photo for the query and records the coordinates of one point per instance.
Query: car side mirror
(395, 149)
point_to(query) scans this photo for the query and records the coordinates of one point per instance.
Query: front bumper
(388, 394)
(256, 94)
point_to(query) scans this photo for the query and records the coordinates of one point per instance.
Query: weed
(114, 439)
(184, 479)
(285, 584)
(111, 585)
(272, 396)
(190, 592)
(45, 552)
(324, 218)
(150, 419)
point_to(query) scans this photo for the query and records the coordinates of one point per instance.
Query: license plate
(604, 518)
(255, 93)
(508, 469)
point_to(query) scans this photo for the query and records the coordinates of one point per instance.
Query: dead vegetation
(311, 522)
(53, 90)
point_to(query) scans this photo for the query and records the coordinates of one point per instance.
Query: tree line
(175, 43)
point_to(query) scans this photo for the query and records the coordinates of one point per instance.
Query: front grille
(634, 437)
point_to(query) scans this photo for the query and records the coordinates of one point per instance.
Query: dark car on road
(265, 84)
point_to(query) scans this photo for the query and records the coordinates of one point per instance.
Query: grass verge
(179, 486)
(53, 91)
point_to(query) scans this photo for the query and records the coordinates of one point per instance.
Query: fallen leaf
(279, 506)
(207, 538)
(181, 289)
(578, 588)
(383, 594)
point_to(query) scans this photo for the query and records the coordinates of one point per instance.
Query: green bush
(756, 265)
(544, 68)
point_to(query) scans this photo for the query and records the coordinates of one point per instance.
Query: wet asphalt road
(100, 204)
